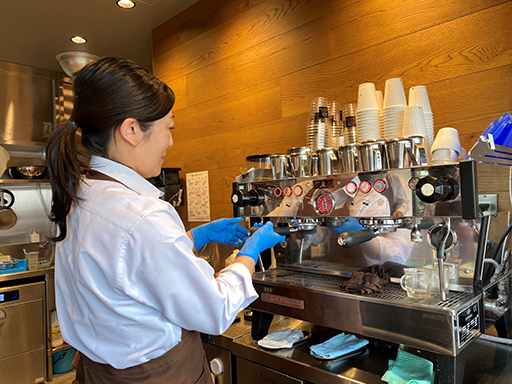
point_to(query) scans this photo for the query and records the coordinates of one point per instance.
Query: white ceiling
(33, 32)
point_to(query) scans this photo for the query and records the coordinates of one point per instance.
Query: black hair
(106, 92)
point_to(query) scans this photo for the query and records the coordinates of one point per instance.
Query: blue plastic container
(62, 360)
(17, 265)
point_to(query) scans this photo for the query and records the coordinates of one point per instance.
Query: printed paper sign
(198, 196)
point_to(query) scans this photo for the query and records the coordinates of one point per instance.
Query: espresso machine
(413, 214)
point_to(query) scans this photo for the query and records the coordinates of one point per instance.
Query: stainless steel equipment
(450, 214)
(22, 333)
(27, 100)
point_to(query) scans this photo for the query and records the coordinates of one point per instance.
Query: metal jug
(348, 158)
(328, 163)
(400, 153)
(371, 155)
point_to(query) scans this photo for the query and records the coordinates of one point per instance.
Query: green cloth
(409, 369)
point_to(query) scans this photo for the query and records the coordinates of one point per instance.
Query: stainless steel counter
(26, 274)
(486, 362)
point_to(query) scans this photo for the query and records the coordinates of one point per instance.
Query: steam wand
(441, 257)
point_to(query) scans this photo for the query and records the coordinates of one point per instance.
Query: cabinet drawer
(22, 320)
(251, 373)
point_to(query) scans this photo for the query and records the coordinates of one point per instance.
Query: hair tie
(75, 127)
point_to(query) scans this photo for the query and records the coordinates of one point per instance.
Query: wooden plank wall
(245, 71)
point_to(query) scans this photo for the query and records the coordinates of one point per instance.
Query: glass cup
(435, 278)
(417, 283)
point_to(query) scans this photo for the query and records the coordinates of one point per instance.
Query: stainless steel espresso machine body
(446, 215)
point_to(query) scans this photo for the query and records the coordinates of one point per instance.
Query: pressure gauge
(323, 202)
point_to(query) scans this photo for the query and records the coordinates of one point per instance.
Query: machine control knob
(217, 367)
(431, 189)
(253, 197)
(3, 315)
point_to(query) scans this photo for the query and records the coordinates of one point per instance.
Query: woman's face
(154, 147)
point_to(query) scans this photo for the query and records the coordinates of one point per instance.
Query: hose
(495, 339)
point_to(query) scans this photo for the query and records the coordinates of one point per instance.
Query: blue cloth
(409, 369)
(262, 239)
(337, 346)
(224, 231)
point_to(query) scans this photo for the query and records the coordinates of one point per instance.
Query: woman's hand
(261, 239)
(224, 231)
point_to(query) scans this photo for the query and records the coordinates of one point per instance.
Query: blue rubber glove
(262, 239)
(349, 225)
(224, 231)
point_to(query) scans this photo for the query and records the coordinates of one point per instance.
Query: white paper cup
(394, 93)
(418, 96)
(367, 98)
(448, 138)
(414, 122)
(380, 99)
(442, 155)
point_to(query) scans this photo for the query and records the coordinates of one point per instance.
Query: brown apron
(186, 363)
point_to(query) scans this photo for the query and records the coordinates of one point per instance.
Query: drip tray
(391, 292)
(444, 327)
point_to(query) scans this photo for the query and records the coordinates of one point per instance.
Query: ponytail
(65, 169)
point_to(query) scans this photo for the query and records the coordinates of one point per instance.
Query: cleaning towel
(409, 369)
(373, 278)
(337, 346)
(281, 339)
(367, 280)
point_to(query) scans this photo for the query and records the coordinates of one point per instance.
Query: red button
(297, 190)
(278, 192)
(287, 191)
(365, 186)
(351, 187)
(379, 185)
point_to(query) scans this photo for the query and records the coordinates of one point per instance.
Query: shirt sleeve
(158, 268)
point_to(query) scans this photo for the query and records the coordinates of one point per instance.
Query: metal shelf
(62, 347)
(24, 181)
(26, 274)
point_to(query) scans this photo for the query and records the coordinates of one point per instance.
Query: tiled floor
(63, 378)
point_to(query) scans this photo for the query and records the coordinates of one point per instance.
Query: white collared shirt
(126, 278)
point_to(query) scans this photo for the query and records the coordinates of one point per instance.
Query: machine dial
(324, 203)
(379, 186)
(253, 197)
(365, 186)
(431, 189)
(216, 366)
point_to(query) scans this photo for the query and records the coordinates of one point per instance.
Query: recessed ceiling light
(79, 39)
(126, 4)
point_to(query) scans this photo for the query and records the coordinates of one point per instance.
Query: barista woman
(131, 295)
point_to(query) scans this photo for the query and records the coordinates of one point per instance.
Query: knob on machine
(217, 367)
(253, 197)
(431, 189)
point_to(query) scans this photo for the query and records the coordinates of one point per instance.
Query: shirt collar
(125, 175)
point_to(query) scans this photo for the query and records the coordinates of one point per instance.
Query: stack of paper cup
(393, 109)
(336, 121)
(349, 123)
(319, 128)
(414, 122)
(367, 113)
(380, 101)
(418, 96)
